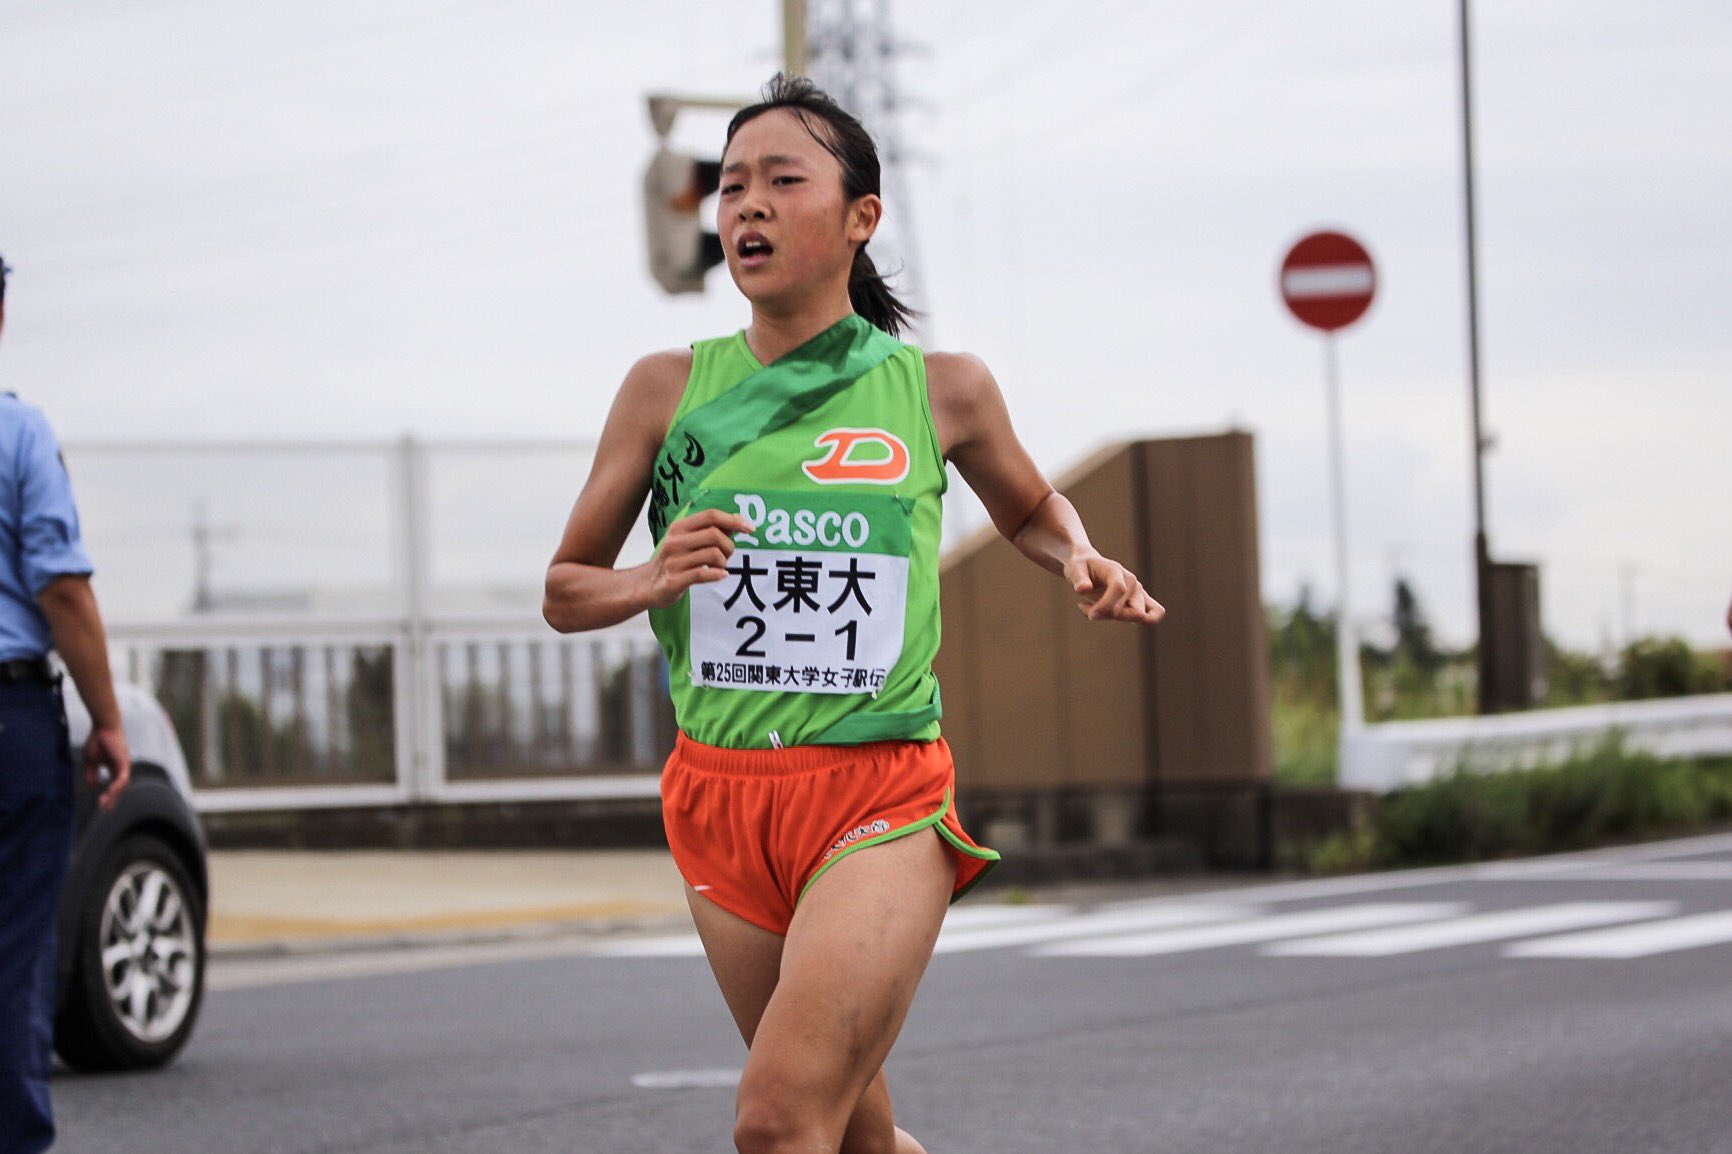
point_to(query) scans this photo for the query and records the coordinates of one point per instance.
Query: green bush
(1604, 796)
(1667, 667)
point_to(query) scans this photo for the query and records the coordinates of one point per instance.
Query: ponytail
(872, 299)
(848, 141)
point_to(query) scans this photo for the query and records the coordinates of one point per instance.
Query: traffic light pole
(1481, 549)
(794, 54)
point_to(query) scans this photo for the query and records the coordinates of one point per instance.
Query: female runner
(794, 474)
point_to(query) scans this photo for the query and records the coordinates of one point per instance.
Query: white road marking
(1260, 929)
(962, 918)
(1658, 861)
(1686, 933)
(660, 946)
(1658, 871)
(1119, 920)
(687, 1079)
(1487, 927)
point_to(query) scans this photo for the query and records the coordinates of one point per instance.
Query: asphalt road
(1579, 1005)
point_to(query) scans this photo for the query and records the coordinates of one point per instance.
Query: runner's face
(785, 222)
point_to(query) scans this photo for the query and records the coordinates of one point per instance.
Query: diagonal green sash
(772, 398)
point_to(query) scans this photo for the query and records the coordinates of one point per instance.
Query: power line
(1112, 108)
(1043, 55)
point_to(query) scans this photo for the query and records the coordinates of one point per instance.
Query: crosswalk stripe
(1260, 929)
(662, 946)
(1681, 871)
(1080, 925)
(977, 917)
(1686, 933)
(1488, 927)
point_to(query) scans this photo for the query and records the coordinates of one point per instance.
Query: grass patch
(1606, 796)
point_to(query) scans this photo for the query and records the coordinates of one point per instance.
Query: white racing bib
(815, 597)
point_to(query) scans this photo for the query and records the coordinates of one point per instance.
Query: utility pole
(851, 54)
(1481, 546)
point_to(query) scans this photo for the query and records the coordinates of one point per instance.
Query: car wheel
(138, 976)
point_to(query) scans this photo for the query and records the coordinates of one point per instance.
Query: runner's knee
(763, 1125)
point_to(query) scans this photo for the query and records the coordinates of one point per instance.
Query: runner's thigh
(744, 958)
(854, 955)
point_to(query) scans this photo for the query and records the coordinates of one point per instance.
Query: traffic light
(681, 250)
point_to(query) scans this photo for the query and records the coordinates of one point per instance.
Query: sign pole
(1349, 680)
(1327, 281)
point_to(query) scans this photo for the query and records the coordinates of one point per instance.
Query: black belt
(26, 669)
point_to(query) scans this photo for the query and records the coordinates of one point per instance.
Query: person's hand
(107, 763)
(694, 551)
(1107, 591)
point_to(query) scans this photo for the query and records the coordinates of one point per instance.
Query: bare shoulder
(956, 374)
(962, 390)
(659, 377)
(651, 392)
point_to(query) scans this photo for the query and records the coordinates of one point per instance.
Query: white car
(132, 918)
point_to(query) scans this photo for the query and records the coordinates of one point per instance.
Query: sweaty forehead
(777, 133)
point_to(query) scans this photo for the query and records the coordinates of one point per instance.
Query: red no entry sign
(1328, 280)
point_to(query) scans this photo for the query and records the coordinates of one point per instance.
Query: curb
(376, 942)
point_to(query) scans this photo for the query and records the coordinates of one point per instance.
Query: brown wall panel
(1037, 697)
(1174, 695)
(1209, 689)
(1099, 665)
(1222, 552)
(1024, 739)
(1015, 739)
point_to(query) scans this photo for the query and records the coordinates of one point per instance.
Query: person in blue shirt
(45, 603)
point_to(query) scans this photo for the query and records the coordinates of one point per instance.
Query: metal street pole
(1348, 678)
(1481, 549)
(794, 54)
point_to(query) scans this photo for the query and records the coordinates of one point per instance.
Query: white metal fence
(1402, 753)
(354, 625)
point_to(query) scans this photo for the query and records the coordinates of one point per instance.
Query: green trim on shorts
(980, 853)
(933, 819)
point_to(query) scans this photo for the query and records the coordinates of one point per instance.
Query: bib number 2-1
(814, 600)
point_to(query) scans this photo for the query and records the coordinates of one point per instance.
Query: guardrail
(1403, 753)
(291, 715)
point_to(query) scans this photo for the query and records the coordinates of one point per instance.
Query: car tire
(138, 974)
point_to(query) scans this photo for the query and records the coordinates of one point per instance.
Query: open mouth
(754, 250)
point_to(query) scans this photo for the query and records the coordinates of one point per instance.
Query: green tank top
(824, 630)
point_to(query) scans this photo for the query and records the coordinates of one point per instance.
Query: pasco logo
(859, 456)
(801, 526)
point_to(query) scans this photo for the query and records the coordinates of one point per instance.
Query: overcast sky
(353, 219)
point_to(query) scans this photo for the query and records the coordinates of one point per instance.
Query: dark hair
(848, 141)
(5, 271)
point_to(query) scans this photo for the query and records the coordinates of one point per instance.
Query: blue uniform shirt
(38, 527)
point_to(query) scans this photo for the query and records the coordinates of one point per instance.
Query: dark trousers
(36, 823)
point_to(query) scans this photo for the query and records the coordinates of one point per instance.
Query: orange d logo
(843, 466)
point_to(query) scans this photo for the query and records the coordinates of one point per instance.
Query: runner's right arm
(584, 590)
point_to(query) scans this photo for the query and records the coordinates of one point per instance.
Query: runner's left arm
(976, 435)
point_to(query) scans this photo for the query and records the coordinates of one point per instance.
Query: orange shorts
(752, 829)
